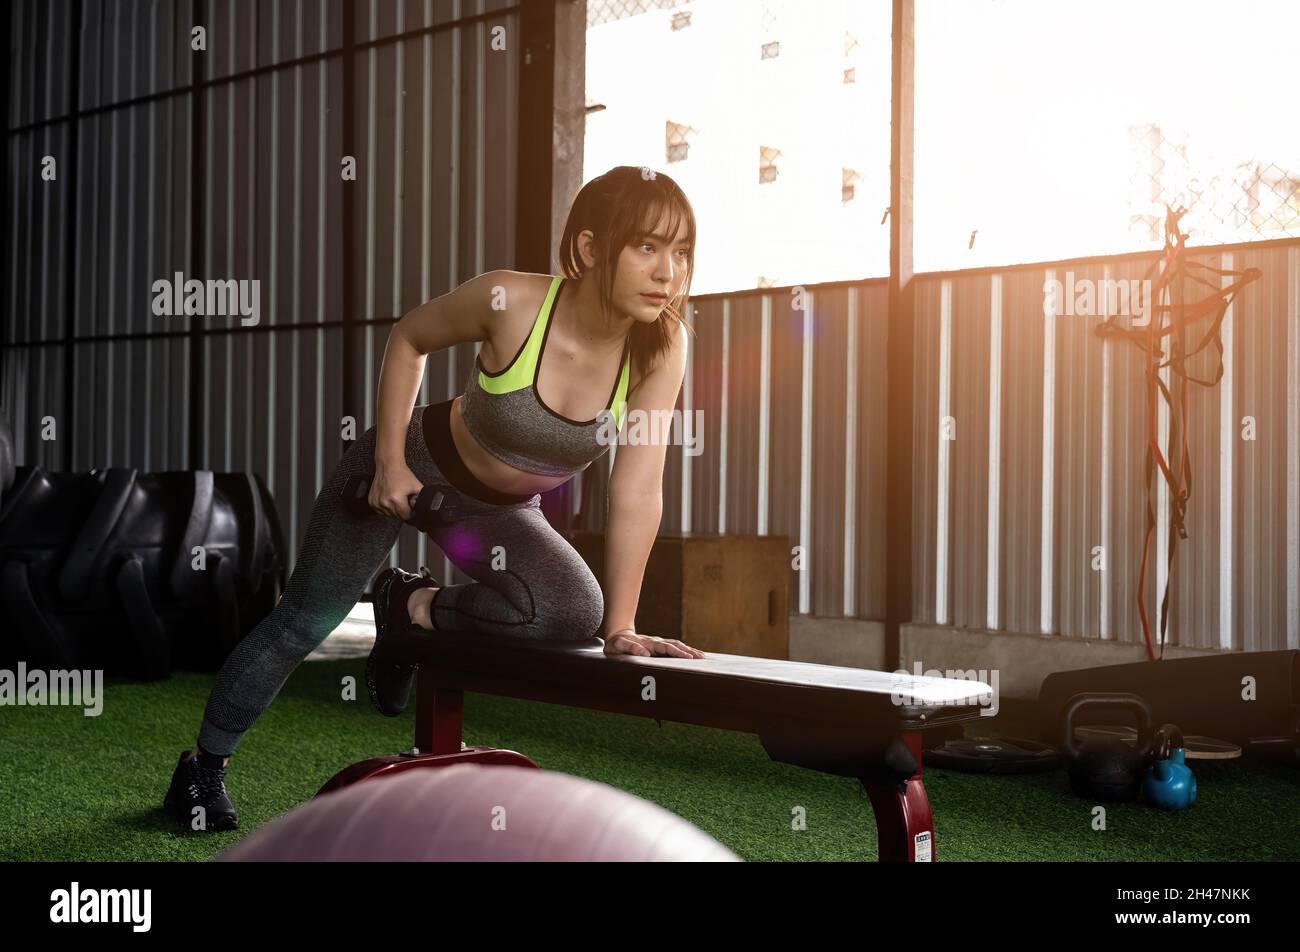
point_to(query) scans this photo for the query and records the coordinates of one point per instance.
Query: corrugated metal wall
(790, 387)
(1031, 443)
(1030, 435)
(1056, 418)
(226, 164)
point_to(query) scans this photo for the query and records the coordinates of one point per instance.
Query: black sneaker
(389, 682)
(197, 786)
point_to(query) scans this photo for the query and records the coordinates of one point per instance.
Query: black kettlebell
(1107, 769)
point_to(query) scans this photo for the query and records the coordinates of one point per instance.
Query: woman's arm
(636, 503)
(458, 316)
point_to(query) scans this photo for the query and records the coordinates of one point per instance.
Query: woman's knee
(577, 611)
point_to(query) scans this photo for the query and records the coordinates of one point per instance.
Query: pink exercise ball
(472, 812)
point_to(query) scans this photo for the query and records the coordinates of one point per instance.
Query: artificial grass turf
(90, 788)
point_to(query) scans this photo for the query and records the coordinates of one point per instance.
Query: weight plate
(996, 755)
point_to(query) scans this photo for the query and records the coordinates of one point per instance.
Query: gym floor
(80, 788)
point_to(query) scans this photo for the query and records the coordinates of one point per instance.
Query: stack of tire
(136, 574)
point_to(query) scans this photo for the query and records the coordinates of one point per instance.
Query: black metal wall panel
(968, 440)
(39, 83)
(744, 397)
(1076, 453)
(35, 296)
(1127, 481)
(706, 373)
(785, 430)
(1022, 440)
(134, 49)
(174, 161)
(1260, 393)
(872, 402)
(225, 164)
(827, 439)
(925, 459)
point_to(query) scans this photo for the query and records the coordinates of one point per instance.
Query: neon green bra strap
(520, 374)
(619, 407)
(522, 371)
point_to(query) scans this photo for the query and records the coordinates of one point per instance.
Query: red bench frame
(847, 729)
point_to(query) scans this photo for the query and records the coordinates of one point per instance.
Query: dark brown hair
(620, 207)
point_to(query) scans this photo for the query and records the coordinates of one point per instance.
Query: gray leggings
(530, 582)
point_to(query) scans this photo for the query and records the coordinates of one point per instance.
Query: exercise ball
(473, 812)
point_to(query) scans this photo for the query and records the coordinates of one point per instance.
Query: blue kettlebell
(1169, 783)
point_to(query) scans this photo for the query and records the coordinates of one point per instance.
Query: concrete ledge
(1021, 661)
(849, 642)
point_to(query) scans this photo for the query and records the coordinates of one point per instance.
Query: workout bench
(837, 720)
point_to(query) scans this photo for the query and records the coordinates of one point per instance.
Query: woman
(523, 426)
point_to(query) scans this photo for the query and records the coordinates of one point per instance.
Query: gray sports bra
(504, 412)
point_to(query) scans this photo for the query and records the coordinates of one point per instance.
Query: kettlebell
(1169, 783)
(1108, 770)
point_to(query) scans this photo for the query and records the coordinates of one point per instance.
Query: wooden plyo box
(717, 593)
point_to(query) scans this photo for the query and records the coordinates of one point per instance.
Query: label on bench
(922, 848)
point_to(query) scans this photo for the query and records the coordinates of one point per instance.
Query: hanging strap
(1164, 342)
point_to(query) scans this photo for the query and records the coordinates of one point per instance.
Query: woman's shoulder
(665, 361)
(514, 294)
(523, 285)
(514, 300)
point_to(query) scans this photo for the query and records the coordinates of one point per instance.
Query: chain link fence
(607, 11)
(774, 12)
(1229, 198)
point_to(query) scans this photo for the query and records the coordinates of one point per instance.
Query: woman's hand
(390, 488)
(628, 641)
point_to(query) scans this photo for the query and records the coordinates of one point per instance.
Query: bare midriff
(490, 471)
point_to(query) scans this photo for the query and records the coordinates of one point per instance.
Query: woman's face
(651, 271)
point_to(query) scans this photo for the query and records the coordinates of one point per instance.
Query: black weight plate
(996, 755)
